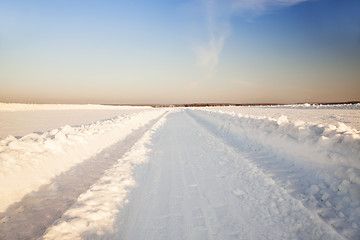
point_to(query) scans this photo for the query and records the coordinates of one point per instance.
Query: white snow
(14, 107)
(315, 143)
(317, 164)
(280, 172)
(38, 157)
(196, 186)
(96, 210)
(21, 119)
(318, 114)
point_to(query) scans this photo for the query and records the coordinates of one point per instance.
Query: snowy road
(183, 175)
(197, 187)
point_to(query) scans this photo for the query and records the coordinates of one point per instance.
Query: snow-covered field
(22, 119)
(102, 172)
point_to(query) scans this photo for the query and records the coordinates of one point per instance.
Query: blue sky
(237, 51)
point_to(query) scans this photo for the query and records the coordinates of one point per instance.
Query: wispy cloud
(218, 14)
(254, 8)
(218, 30)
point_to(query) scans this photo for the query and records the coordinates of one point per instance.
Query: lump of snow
(282, 119)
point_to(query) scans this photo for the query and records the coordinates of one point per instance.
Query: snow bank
(319, 165)
(315, 106)
(31, 161)
(314, 143)
(37, 107)
(96, 210)
(21, 123)
(324, 116)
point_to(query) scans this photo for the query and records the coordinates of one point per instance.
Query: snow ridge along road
(33, 160)
(199, 174)
(318, 165)
(195, 186)
(47, 180)
(96, 209)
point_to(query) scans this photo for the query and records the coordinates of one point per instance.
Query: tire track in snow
(195, 186)
(30, 218)
(250, 173)
(318, 188)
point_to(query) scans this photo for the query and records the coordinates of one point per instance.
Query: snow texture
(319, 165)
(13, 107)
(96, 210)
(21, 119)
(39, 157)
(283, 172)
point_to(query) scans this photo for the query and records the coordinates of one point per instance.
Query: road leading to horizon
(197, 187)
(177, 179)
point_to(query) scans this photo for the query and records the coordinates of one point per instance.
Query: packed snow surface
(183, 173)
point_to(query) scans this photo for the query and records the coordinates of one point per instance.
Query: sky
(179, 51)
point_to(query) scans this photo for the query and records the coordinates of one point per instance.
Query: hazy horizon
(190, 51)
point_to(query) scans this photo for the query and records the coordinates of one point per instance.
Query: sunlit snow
(91, 171)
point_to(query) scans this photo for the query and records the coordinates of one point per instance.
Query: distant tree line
(245, 104)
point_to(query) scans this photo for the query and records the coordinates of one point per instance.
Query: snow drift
(96, 210)
(36, 107)
(33, 160)
(312, 143)
(319, 165)
(317, 106)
